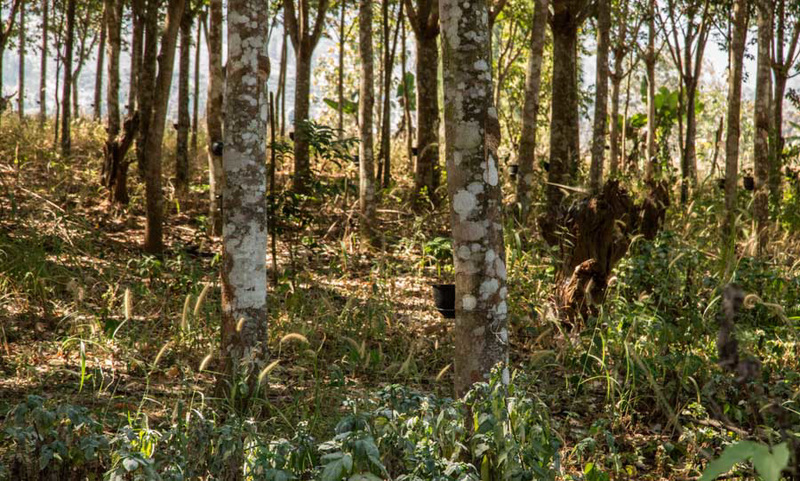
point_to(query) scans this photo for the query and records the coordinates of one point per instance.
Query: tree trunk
(302, 91)
(426, 173)
(137, 44)
(406, 98)
(98, 79)
(365, 111)
(650, 67)
(113, 17)
(196, 92)
(43, 66)
(776, 150)
(282, 83)
(154, 198)
(244, 273)
(564, 125)
(21, 47)
(533, 81)
(146, 82)
(184, 122)
(739, 36)
(601, 95)
(616, 83)
(689, 157)
(471, 138)
(66, 140)
(214, 116)
(340, 79)
(761, 140)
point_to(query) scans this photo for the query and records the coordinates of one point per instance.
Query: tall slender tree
(153, 235)
(624, 35)
(184, 121)
(244, 239)
(138, 8)
(5, 34)
(526, 155)
(693, 19)
(21, 76)
(366, 104)
(650, 68)
(305, 38)
(601, 95)
(214, 115)
(98, 79)
(786, 52)
(568, 16)
(737, 48)
(66, 139)
(471, 138)
(43, 65)
(761, 113)
(423, 16)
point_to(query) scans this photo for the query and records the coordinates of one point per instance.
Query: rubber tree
(154, 199)
(601, 95)
(216, 81)
(43, 64)
(5, 34)
(366, 104)
(184, 120)
(471, 138)
(526, 156)
(624, 34)
(761, 113)
(423, 16)
(786, 51)
(66, 97)
(737, 47)
(244, 231)
(567, 18)
(305, 38)
(21, 64)
(694, 19)
(101, 53)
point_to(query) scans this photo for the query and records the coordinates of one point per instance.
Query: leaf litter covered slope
(362, 318)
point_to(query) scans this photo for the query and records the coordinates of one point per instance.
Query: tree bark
(146, 81)
(471, 138)
(43, 65)
(650, 67)
(114, 31)
(304, 38)
(137, 40)
(66, 139)
(154, 198)
(184, 122)
(98, 80)
(244, 239)
(424, 21)
(21, 77)
(761, 141)
(601, 95)
(340, 76)
(739, 36)
(196, 93)
(282, 84)
(526, 156)
(214, 115)
(564, 125)
(366, 105)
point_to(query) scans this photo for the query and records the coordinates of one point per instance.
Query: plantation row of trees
(482, 48)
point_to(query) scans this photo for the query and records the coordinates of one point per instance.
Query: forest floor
(87, 318)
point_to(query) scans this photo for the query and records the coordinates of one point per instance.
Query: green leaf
(769, 464)
(364, 477)
(130, 464)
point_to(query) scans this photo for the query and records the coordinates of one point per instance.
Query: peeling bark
(471, 139)
(244, 232)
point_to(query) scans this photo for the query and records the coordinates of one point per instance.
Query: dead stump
(593, 235)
